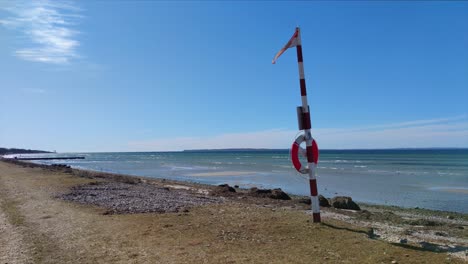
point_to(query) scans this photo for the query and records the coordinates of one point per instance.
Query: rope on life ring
(297, 150)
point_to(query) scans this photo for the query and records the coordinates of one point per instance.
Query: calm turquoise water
(434, 179)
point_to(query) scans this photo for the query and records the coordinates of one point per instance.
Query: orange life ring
(296, 150)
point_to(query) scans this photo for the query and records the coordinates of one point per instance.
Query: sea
(425, 178)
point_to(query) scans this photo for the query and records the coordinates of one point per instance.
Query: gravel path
(137, 198)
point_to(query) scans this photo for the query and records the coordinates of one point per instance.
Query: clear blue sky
(144, 75)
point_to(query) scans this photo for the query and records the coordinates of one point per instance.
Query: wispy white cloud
(444, 132)
(46, 29)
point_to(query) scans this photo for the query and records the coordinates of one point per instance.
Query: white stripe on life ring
(296, 150)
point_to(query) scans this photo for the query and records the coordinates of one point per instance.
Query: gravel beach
(136, 198)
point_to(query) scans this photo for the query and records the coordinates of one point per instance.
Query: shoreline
(401, 230)
(82, 172)
(215, 174)
(400, 179)
(129, 178)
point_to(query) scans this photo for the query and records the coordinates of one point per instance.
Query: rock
(273, 194)
(225, 188)
(323, 201)
(344, 202)
(279, 195)
(440, 233)
(394, 262)
(255, 190)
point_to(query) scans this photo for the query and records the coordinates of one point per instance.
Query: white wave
(181, 168)
(279, 157)
(341, 161)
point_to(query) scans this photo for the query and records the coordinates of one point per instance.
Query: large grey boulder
(344, 202)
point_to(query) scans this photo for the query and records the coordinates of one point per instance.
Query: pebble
(126, 198)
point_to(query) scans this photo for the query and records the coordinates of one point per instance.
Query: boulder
(257, 191)
(268, 193)
(323, 201)
(279, 194)
(344, 202)
(225, 188)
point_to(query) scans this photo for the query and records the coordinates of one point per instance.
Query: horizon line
(271, 149)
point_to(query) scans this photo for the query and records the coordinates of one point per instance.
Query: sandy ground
(37, 227)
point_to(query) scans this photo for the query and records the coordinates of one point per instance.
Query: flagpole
(308, 136)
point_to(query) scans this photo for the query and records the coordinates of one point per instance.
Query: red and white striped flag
(291, 43)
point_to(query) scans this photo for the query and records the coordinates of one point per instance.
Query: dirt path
(35, 227)
(13, 248)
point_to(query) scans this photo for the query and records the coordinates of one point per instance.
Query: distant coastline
(326, 150)
(233, 149)
(9, 151)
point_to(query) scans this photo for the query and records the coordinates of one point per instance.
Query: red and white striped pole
(308, 136)
(304, 124)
